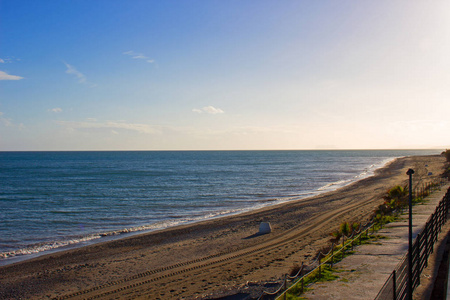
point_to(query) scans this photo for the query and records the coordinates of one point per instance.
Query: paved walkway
(363, 274)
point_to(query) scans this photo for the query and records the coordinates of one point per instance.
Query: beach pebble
(264, 228)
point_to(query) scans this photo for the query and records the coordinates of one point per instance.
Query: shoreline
(212, 257)
(75, 242)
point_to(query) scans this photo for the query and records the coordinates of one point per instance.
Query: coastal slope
(209, 258)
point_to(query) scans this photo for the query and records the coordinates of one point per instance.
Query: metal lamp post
(410, 288)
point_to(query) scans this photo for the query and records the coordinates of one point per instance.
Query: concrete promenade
(363, 274)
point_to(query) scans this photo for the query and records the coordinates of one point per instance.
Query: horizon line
(236, 150)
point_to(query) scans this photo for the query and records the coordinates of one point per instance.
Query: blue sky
(188, 75)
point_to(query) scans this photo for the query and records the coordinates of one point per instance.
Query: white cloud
(56, 110)
(72, 71)
(112, 126)
(209, 110)
(8, 60)
(136, 55)
(5, 76)
(80, 76)
(140, 56)
(213, 110)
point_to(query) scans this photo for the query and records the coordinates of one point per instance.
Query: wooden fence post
(332, 255)
(394, 283)
(425, 232)
(320, 268)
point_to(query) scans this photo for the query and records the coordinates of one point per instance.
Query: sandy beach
(212, 258)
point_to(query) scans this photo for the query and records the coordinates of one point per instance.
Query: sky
(224, 75)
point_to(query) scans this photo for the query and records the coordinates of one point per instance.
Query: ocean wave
(367, 172)
(61, 245)
(333, 185)
(42, 247)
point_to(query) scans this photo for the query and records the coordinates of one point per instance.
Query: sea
(52, 201)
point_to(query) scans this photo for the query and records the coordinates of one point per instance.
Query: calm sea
(55, 200)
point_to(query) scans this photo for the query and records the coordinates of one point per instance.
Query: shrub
(446, 173)
(395, 198)
(345, 229)
(383, 209)
(397, 192)
(446, 153)
(336, 236)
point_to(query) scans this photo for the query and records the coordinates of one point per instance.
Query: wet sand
(210, 258)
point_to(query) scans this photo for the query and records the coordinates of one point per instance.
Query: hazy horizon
(224, 75)
(225, 150)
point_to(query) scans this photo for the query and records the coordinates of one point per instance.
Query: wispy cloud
(7, 60)
(6, 76)
(73, 71)
(113, 126)
(6, 122)
(209, 110)
(136, 55)
(56, 110)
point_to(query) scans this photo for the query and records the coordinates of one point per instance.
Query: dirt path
(363, 274)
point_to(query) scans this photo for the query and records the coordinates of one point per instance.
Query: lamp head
(410, 172)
